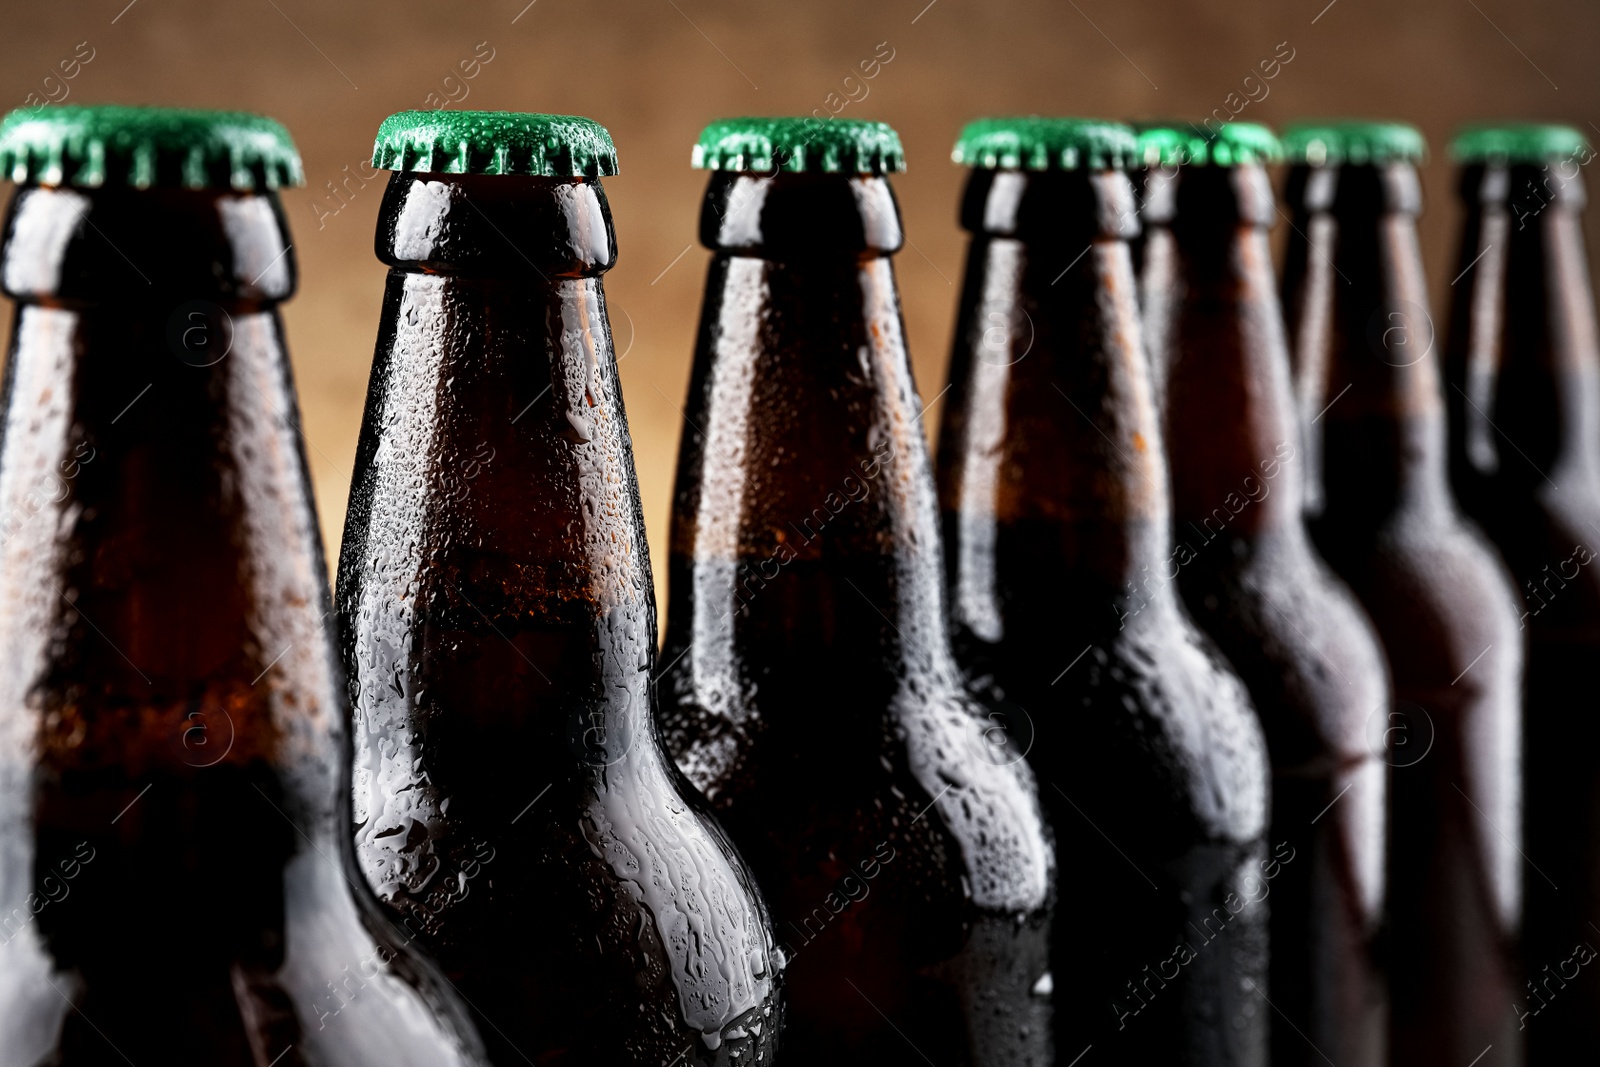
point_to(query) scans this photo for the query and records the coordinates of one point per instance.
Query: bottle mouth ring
(801, 216)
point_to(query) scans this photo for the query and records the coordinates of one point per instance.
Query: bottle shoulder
(1449, 555)
(1156, 713)
(327, 979)
(1533, 524)
(926, 762)
(1550, 539)
(619, 847)
(1304, 647)
(1440, 597)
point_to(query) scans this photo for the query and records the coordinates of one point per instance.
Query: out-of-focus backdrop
(655, 71)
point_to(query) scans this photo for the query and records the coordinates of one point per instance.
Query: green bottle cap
(494, 142)
(147, 146)
(1035, 143)
(1518, 142)
(831, 146)
(1350, 141)
(1185, 143)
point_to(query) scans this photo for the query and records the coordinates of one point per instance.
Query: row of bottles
(1117, 769)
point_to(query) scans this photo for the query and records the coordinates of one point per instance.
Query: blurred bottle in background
(813, 696)
(515, 809)
(1158, 140)
(1369, 388)
(174, 826)
(1255, 584)
(1161, 146)
(1524, 370)
(1053, 484)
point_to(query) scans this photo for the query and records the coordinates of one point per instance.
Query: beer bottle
(1292, 630)
(175, 861)
(1524, 371)
(891, 820)
(1435, 589)
(1055, 499)
(515, 809)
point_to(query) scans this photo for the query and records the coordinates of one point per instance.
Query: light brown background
(655, 71)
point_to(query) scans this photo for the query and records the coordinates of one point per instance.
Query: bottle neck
(165, 584)
(494, 554)
(804, 508)
(1233, 438)
(1523, 355)
(1052, 461)
(1367, 363)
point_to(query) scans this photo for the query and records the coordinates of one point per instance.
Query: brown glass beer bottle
(1524, 370)
(1435, 589)
(515, 809)
(175, 863)
(1292, 630)
(1054, 491)
(813, 697)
